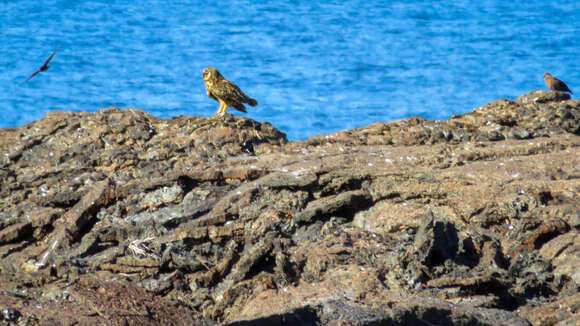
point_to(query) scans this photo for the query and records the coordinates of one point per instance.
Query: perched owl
(225, 92)
(555, 84)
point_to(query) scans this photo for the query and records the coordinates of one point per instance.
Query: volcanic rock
(119, 217)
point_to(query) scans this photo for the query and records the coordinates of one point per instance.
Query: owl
(225, 92)
(555, 84)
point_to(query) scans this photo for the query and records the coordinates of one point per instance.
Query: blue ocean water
(314, 67)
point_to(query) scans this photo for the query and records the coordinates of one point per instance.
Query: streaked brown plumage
(555, 84)
(225, 92)
(44, 66)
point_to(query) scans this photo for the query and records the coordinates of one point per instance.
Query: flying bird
(42, 68)
(555, 84)
(225, 92)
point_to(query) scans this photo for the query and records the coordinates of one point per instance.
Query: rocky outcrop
(121, 217)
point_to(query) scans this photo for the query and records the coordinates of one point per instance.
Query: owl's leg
(219, 111)
(222, 109)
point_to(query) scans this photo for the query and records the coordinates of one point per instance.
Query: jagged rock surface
(122, 217)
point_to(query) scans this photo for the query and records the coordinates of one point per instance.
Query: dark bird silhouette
(42, 68)
(555, 84)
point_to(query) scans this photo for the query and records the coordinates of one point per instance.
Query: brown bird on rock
(225, 92)
(555, 84)
(42, 68)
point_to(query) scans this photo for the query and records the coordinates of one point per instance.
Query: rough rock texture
(122, 218)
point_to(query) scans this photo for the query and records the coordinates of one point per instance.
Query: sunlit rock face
(119, 215)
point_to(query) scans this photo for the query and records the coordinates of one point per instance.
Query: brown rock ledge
(122, 218)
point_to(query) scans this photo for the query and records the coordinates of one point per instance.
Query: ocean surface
(314, 67)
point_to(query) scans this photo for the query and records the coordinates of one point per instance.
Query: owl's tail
(251, 101)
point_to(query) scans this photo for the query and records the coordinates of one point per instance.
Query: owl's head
(211, 73)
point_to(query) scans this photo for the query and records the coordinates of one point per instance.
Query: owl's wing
(210, 94)
(230, 93)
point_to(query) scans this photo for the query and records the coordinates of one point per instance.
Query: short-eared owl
(225, 92)
(555, 84)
